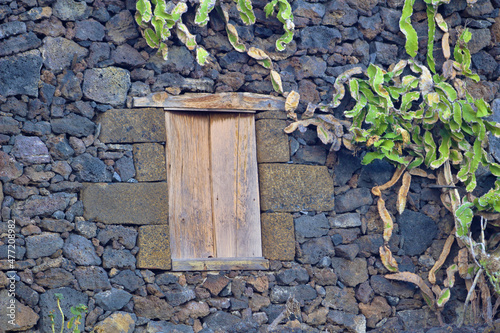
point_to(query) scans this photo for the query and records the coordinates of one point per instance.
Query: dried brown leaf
(418, 172)
(386, 218)
(450, 276)
(442, 257)
(394, 179)
(448, 71)
(387, 259)
(463, 262)
(417, 280)
(403, 192)
(311, 108)
(445, 44)
(291, 103)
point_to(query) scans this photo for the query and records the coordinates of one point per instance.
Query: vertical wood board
(188, 177)
(248, 234)
(224, 151)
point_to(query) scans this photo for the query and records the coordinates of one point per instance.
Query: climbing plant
(412, 116)
(158, 19)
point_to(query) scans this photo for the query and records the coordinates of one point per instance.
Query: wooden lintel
(220, 264)
(221, 102)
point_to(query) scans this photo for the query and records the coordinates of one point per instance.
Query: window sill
(220, 264)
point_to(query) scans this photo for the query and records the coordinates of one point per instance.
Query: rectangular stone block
(149, 161)
(278, 236)
(154, 247)
(294, 188)
(126, 203)
(272, 141)
(132, 126)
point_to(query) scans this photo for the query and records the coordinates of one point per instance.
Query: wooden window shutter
(214, 212)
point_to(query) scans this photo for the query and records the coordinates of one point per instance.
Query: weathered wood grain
(188, 178)
(224, 152)
(248, 233)
(220, 264)
(222, 102)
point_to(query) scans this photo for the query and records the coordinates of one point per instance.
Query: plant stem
(469, 295)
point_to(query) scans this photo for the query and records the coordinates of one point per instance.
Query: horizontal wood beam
(222, 102)
(220, 264)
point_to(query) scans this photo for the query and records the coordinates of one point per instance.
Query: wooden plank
(224, 151)
(220, 264)
(222, 102)
(248, 234)
(188, 178)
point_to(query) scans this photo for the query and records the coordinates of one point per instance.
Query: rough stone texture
(19, 44)
(152, 307)
(106, 85)
(73, 124)
(89, 30)
(92, 278)
(385, 287)
(90, 169)
(25, 317)
(70, 10)
(340, 299)
(272, 141)
(31, 150)
(54, 278)
(112, 258)
(149, 161)
(289, 188)
(48, 303)
(280, 294)
(154, 244)
(128, 279)
(112, 300)
(9, 168)
(136, 125)
(165, 326)
(43, 245)
(119, 322)
(316, 249)
(20, 74)
(353, 199)
(121, 27)
(58, 53)
(350, 272)
(348, 220)
(321, 38)
(124, 235)
(411, 224)
(11, 29)
(81, 251)
(375, 311)
(311, 226)
(278, 239)
(143, 203)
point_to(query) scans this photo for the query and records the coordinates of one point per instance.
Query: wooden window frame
(235, 103)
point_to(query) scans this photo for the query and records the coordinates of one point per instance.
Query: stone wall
(75, 157)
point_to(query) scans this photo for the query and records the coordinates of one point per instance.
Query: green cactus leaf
(443, 298)
(444, 150)
(185, 36)
(246, 11)
(232, 35)
(369, 157)
(430, 148)
(202, 12)
(431, 32)
(151, 38)
(408, 30)
(202, 56)
(163, 49)
(464, 217)
(144, 9)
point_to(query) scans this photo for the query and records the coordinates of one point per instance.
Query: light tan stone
(154, 247)
(149, 161)
(278, 236)
(294, 188)
(127, 203)
(272, 141)
(132, 126)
